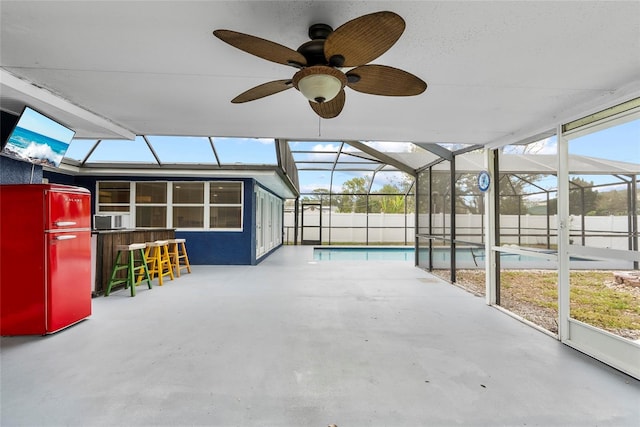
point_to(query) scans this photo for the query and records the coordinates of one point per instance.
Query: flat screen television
(38, 139)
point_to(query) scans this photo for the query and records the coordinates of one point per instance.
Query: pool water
(473, 257)
(364, 254)
(466, 257)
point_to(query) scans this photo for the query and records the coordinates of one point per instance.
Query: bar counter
(105, 242)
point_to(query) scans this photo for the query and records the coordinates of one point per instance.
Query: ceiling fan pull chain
(319, 121)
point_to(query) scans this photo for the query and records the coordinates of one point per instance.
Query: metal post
(366, 200)
(452, 191)
(582, 216)
(563, 236)
(320, 223)
(330, 219)
(481, 206)
(630, 197)
(405, 219)
(496, 237)
(519, 219)
(548, 223)
(633, 208)
(431, 209)
(416, 219)
(296, 214)
(444, 217)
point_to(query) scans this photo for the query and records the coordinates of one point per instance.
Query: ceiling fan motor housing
(313, 50)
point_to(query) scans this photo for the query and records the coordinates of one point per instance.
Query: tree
(440, 192)
(390, 199)
(354, 195)
(612, 202)
(513, 192)
(318, 195)
(582, 197)
(580, 192)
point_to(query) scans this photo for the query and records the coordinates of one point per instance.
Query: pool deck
(297, 342)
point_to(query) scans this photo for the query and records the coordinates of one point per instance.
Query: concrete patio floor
(293, 342)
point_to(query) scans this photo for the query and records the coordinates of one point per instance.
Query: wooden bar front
(106, 242)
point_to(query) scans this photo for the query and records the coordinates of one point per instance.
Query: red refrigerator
(45, 258)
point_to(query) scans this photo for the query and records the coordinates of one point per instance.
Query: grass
(533, 294)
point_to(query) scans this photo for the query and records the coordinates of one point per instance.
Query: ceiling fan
(321, 61)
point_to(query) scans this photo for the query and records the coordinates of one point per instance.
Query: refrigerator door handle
(64, 223)
(66, 237)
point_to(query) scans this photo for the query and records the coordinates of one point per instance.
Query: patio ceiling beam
(531, 183)
(335, 161)
(382, 157)
(90, 152)
(215, 152)
(468, 149)
(436, 149)
(429, 165)
(153, 152)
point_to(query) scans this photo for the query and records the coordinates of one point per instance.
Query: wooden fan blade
(363, 39)
(384, 80)
(262, 48)
(329, 109)
(263, 90)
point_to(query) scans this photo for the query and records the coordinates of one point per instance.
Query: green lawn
(533, 294)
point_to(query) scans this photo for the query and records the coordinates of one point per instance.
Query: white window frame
(207, 205)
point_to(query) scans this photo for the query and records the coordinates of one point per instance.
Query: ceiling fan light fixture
(319, 83)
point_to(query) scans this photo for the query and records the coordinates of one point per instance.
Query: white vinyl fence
(526, 230)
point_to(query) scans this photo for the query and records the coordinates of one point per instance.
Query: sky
(621, 143)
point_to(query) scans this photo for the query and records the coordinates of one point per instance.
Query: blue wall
(18, 172)
(203, 247)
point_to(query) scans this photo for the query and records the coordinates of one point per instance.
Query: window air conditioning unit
(110, 222)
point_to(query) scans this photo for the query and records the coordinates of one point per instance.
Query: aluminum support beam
(490, 226)
(382, 157)
(563, 236)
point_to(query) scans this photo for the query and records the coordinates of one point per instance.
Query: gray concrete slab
(292, 342)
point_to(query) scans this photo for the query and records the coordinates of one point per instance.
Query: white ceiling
(497, 71)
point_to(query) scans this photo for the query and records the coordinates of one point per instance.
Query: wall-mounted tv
(38, 139)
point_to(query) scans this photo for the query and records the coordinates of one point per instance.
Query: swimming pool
(350, 253)
(466, 257)
(392, 253)
(395, 253)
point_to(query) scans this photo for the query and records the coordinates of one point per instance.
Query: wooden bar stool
(132, 266)
(158, 260)
(178, 251)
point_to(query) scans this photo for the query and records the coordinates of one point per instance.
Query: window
(225, 199)
(151, 192)
(226, 193)
(151, 204)
(188, 204)
(113, 196)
